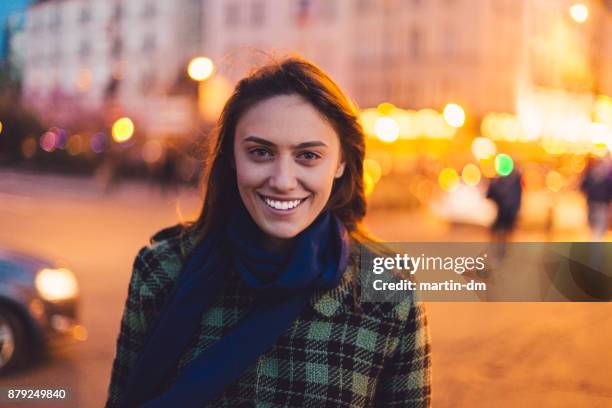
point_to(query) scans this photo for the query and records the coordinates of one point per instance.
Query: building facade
(481, 54)
(85, 53)
(417, 53)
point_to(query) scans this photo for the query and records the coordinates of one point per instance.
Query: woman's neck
(277, 245)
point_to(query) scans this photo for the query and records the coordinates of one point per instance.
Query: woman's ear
(340, 170)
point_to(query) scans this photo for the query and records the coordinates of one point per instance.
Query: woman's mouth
(285, 206)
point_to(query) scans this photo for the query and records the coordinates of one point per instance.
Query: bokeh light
(61, 137)
(579, 12)
(554, 147)
(28, 147)
(503, 164)
(123, 129)
(75, 145)
(577, 164)
(1, 127)
(371, 167)
(471, 174)
(454, 115)
(200, 68)
(368, 184)
(152, 151)
(554, 181)
(603, 110)
(387, 129)
(385, 109)
(487, 167)
(448, 179)
(80, 333)
(47, 141)
(98, 142)
(84, 80)
(483, 148)
(368, 120)
(431, 124)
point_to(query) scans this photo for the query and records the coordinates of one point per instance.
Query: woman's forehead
(285, 119)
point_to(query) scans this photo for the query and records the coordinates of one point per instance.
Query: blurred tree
(18, 124)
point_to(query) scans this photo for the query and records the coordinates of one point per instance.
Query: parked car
(38, 306)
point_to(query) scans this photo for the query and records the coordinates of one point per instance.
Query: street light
(122, 130)
(200, 68)
(579, 12)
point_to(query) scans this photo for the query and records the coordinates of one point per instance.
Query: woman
(257, 302)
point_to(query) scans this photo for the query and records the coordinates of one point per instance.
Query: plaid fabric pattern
(338, 352)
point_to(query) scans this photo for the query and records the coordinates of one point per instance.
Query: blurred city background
(104, 105)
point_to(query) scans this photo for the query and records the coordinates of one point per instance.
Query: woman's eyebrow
(256, 139)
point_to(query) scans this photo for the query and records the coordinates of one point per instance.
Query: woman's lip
(282, 198)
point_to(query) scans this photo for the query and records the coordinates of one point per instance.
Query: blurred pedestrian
(107, 172)
(258, 301)
(168, 174)
(597, 187)
(506, 193)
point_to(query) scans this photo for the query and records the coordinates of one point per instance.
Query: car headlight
(56, 284)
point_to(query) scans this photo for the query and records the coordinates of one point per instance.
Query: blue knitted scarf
(282, 283)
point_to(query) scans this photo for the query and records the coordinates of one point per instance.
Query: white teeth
(282, 205)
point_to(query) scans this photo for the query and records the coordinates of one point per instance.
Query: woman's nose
(283, 176)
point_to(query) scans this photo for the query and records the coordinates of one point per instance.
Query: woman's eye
(260, 153)
(309, 156)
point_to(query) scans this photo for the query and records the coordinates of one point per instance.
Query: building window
(363, 6)
(258, 13)
(147, 82)
(117, 48)
(149, 10)
(415, 44)
(117, 12)
(450, 43)
(56, 20)
(84, 15)
(55, 56)
(84, 49)
(232, 13)
(329, 10)
(149, 43)
(33, 24)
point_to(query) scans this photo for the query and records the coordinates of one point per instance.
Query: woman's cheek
(250, 173)
(319, 181)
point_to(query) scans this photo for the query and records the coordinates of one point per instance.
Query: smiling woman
(285, 168)
(257, 302)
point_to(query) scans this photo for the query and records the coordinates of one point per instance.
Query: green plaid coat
(338, 352)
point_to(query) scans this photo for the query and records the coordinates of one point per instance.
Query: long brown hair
(293, 75)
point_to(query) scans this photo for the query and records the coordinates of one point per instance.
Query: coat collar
(327, 303)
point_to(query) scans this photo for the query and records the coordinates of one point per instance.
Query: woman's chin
(279, 231)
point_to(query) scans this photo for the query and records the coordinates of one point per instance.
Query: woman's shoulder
(366, 246)
(351, 297)
(162, 259)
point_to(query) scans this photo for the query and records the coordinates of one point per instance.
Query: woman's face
(286, 157)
